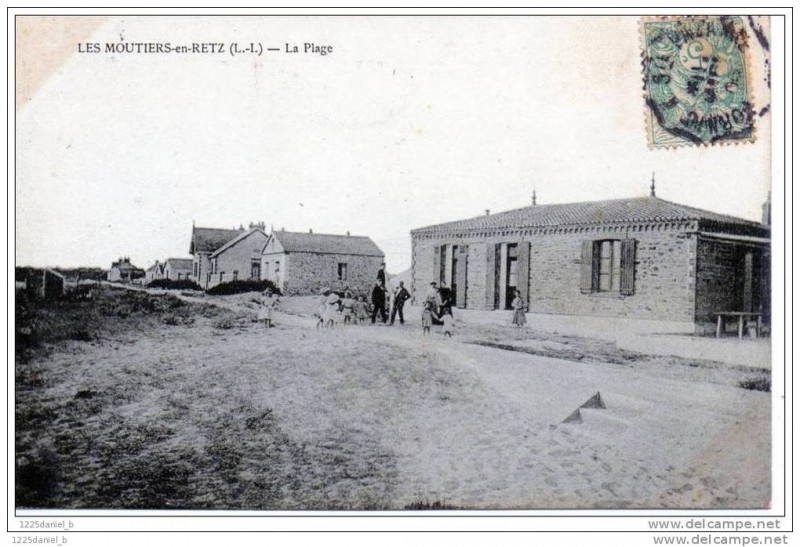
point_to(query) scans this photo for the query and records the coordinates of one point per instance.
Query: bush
(761, 383)
(175, 284)
(240, 286)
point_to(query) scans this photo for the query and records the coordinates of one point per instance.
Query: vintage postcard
(414, 265)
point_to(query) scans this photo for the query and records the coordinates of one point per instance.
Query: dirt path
(385, 418)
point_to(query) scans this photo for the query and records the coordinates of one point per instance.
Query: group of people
(345, 308)
(388, 303)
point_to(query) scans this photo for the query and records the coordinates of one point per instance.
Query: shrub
(243, 285)
(761, 383)
(175, 284)
(224, 324)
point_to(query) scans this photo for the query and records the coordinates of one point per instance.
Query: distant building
(156, 271)
(238, 259)
(177, 268)
(303, 263)
(122, 271)
(636, 258)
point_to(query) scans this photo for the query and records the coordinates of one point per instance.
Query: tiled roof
(178, 263)
(237, 239)
(302, 242)
(617, 211)
(208, 240)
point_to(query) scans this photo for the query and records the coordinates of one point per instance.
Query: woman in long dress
(518, 304)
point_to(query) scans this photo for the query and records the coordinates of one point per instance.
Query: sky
(410, 121)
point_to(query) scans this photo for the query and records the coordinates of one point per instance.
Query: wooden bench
(722, 316)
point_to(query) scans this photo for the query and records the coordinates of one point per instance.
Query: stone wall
(664, 275)
(307, 273)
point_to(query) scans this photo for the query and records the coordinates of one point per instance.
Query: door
(511, 279)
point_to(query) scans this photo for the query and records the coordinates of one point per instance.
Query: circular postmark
(695, 81)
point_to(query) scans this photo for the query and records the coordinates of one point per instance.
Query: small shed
(45, 283)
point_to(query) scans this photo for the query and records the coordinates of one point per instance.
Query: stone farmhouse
(644, 258)
(239, 258)
(303, 263)
(204, 242)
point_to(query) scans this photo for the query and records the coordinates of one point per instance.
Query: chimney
(310, 231)
(766, 211)
(348, 233)
(487, 212)
(533, 197)
(653, 186)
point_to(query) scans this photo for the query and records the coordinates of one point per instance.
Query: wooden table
(741, 316)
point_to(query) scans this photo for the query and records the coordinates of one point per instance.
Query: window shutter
(523, 270)
(491, 265)
(437, 264)
(587, 266)
(461, 276)
(628, 266)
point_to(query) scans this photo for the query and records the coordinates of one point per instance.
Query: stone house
(156, 271)
(177, 268)
(122, 271)
(204, 242)
(303, 263)
(238, 259)
(644, 258)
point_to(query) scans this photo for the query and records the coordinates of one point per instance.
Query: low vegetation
(175, 284)
(243, 285)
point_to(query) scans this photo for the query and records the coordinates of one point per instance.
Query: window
(255, 268)
(342, 271)
(235, 275)
(607, 266)
(220, 276)
(194, 269)
(277, 269)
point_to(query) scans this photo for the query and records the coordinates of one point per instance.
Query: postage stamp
(696, 81)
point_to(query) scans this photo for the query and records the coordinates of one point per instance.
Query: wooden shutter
(628, 266)
(491, 265)
(587, 266)
(747, 290)
(461, 276)
(523, 270)
(437, 265)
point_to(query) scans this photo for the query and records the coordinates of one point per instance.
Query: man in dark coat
(378, 301)
(382, 275)
(400, 297)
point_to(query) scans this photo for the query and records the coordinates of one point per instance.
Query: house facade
(156, 271)
(643, 258)
(177, 268)
(122, 271)
(238, 259)
(303, 263)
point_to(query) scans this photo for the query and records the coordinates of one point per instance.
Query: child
(518, 304)
(323, 305)
(361, 310)
(448, 323)
(268, 303)
(332, 308)
(348, 307)
(427, 318)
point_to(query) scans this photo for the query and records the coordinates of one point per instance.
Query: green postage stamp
(696, 81)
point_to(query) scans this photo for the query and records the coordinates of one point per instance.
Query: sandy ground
(211, 415)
